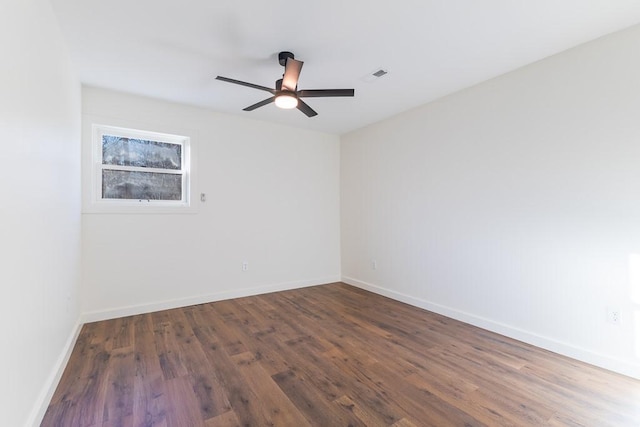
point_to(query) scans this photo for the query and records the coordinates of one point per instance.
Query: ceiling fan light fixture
(286, 100)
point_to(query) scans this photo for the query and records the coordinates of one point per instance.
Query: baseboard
(616, 365)
(201, 299)
(42, 402)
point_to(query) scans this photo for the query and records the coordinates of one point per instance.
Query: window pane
(121, 151)
(141, 185)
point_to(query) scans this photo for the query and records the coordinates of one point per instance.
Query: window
(135, 168)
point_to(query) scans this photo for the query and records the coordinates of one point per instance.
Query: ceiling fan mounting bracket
(282, 57)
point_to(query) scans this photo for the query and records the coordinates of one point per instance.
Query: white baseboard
(42, 402)
(201, 299)
(612, 364)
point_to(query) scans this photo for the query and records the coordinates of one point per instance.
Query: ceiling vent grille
(374, 75)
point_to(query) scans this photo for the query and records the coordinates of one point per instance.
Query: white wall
(40, 214)
(513, 205)
(272, 200)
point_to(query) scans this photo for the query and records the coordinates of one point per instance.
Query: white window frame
(143, 205)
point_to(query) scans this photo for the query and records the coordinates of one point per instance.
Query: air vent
(374, 75)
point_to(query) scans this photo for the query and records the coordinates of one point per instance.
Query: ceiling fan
(286, 94)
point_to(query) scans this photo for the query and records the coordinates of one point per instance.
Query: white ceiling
(173, 50)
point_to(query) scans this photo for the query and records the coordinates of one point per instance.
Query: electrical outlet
(245, 265)
(613, 316)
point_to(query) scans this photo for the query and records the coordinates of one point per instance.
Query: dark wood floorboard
(331, 355)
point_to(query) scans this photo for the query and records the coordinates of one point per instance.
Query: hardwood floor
(328, 355)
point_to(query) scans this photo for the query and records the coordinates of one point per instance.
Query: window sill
(137, 209)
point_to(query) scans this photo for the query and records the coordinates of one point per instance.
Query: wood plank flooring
(330, 355)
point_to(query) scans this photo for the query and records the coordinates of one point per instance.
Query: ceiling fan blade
(260, 104)
(291, 74)
(302, 106)
(319, 93)
(241, 83)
